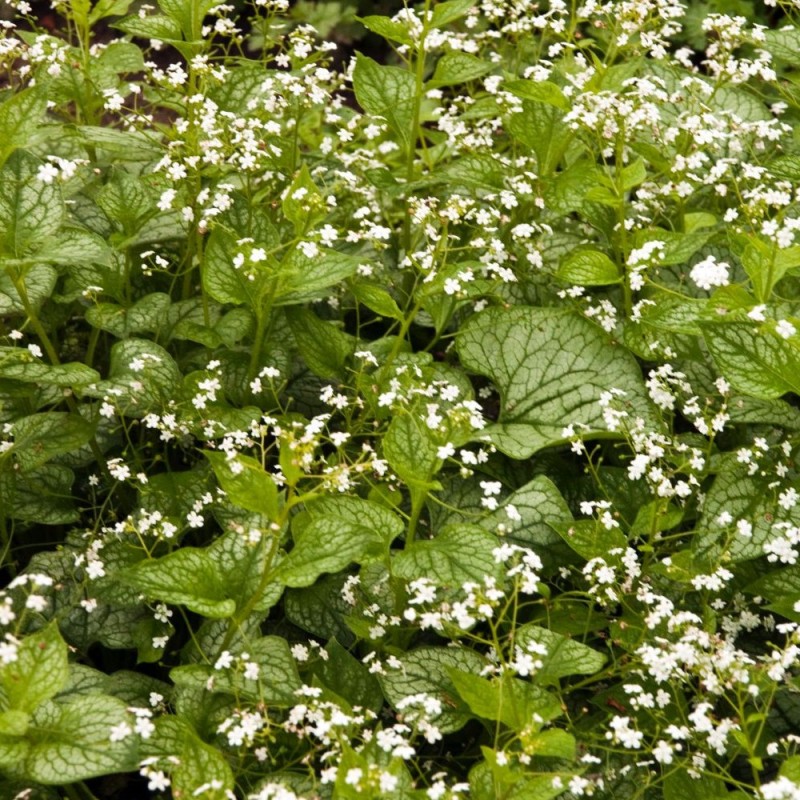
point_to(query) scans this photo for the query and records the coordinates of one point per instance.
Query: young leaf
(457, 67)
(388, 93)
(39, 672)
(409, 450)
(20, 116)
(246, 483)
(564, 656)
(509, 700)
(303, 205)
(589, 268)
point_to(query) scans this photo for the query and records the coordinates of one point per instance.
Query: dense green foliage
(415, 424)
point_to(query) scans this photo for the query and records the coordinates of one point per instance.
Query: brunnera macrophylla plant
(417, 426)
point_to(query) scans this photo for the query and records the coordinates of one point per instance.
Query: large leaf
(329, 544)
(71, 741)
(551, 368)
(189, 577)
(428, 670)
(756, 360)
(457, 554)
(41, 437)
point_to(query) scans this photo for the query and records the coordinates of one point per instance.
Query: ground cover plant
(422, 426)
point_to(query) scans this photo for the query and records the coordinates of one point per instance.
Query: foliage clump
(418, 427)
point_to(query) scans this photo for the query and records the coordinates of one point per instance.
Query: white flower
(785, 329)
(709, 273)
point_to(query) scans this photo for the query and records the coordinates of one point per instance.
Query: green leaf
(42, 495)
(746, 497)
(755, 359)
(457, 554)
(241, 563)
(221, 279)
(589, 268)
(551, 368)
(154, 26)
(564, 656)
(539, 92)
(20, 117)
(19, 365)
(540, 126)
(509, 700)
(41, 437)
(359, 512)
(449, 11)
(142, 377)
(39, 672)
(475, 171)
(148, 315)
(409, 450)
(554, 742)
(196, 764)
(387, 28)
(38, 281)
(329, 544)
(320, 609)
(783, 43)
(30, 209)
(679, 785)
(589, 539)
(108, 8)
(539, 506)
(377, 299)
(277, 680)
(127, 201)
(189, 577)
(303, 278)
(428, 670)
(349, 678)
(388, 93)
(189, 14)
(303, 205)
(73, 742)
(73, 245)
(246, 483)
(325, 348)
(124, 145)
(457, 67)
